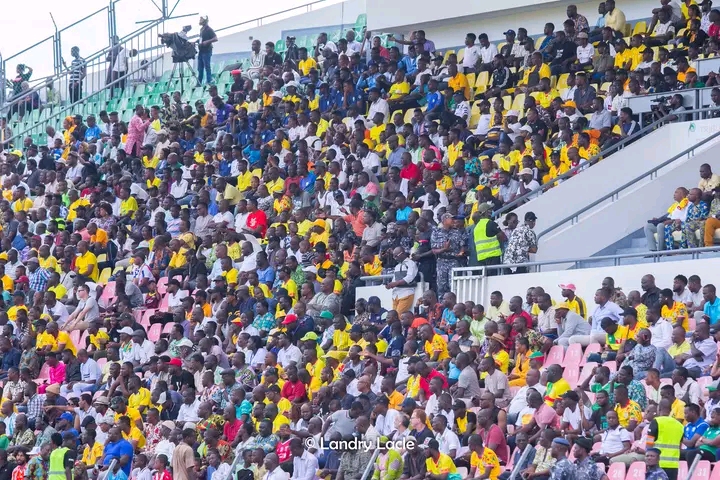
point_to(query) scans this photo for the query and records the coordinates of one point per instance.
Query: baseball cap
(176, 362)
(327, 314)
(512, 113)
(582, 35)
(570, 103)
(530, 216)
(126, 331)
(66, 416)
(525, 171)
(567, 286)
(289, 318)
(309, 336)
(564, 305)
(374, 300)
(357, 328)
(509, 32)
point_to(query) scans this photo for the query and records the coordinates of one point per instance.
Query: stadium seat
(572, 375)
(715, 475)
(447, 54)
(616, 471)
(586, 371)
(562, 81)
(573, 355)
(612, 365)
(519, 102)
(105, 275)
(162, 285)
(168, 327)
(683, 470)
(101, 362)
(592, 348)
(640, 27)
(75, 337)
(146, 316)
(636, 471)
(154, 332)
(702, 470)
(555, 355)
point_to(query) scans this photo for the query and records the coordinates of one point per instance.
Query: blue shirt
(611, 310)
(691, 429)
(712, 310)
(92, 133)
(223, 113)
(408, 64)
(433, 100)
(117, 450)
(266, 276)
(403, 215)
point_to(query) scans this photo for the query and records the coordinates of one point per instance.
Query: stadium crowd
(180, 291)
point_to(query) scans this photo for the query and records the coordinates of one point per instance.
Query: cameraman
(291, 52)
(671, 111)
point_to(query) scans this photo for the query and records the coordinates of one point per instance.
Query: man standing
(183, 458)
(522, 243)
(207, 38)
(486, 240)
(403, 284)
(665, 434)
(563, 469)
(448, 255)
(78, 70)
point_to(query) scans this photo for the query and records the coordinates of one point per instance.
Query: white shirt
(472, 55)
(59, 310)
(409, 268)
(289, 354)
(483, 126)
(188, 413)
(585, 54)
(691, 388)
(370, 161)
(519, 401)
(685, 296)
(385, 424)
(573, 417)
(277, 474)
(488, 53)
(120, 64)
(661, 333)
(612, 440)
(249, 263)
(90, 371)
(178, 190)
(175, 299)
(51, 140)
(379, 105)
(304, 466)
(448, 441)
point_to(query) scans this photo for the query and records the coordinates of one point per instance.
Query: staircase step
(621, 251)
(640, 242)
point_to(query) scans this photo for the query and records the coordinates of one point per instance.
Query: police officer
(444, 242)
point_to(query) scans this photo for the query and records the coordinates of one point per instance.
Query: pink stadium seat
(511, 462)
(586, 371)
(83, 337)
(109, 290)
(702, 471)
(105, 302)
(138, 313)
(555, 355)
(612, 365)
(596, 447)
(43, 372)
(716, 472)
(703, 382)
(179, 278)
(162, 285)
(572, 375)
(163, 307)
(154, 332)
(591, 396)
(101, 362)
(636, 471)
(146, 317)
(592, 348)
(573, 355)
(168, 328)
(692, 323)
(75, 337)
(616, 471)
(683, 470)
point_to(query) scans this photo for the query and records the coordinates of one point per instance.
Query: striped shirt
(76, 69)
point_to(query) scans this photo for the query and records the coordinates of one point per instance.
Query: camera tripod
(180, 74)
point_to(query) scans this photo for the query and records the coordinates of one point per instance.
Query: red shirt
(425, 383)
(523, 314)
(230, 430)
(257, 219)
(165, 475)
(410, 172)
(714, 31)
(495, 436)
(283, 450)
(293, 391)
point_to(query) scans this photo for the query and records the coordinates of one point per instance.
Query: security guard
(486, 240)
(62, 459)
(448, 251)
(665, 434)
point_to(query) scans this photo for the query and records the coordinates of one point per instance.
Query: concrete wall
(447, 26)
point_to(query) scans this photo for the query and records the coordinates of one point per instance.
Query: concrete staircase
(636, 243)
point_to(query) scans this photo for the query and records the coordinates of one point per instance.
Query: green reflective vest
(485, 247)
(57, 467)
(670, 434)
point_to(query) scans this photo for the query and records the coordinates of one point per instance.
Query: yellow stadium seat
(102, 258)
(474, 116)
(553, 81)
(447, 54)
(501, 45)
(563, 91)
(656, 52)
(105, 276)
(460, 55)
(507, 102)
(518, 102)
(680, 33)
(562, 81)
(538, 42)
(628, 30)
(640, 27)
(482, 80)
(605, 86)
(470, 78)
(408, 115)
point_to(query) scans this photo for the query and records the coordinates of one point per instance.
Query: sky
(91, 35)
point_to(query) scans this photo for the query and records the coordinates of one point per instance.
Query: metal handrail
(67, 71)
(656, 255)
(519, 463)
(62, 110)
(616, 192)
(604, 153)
